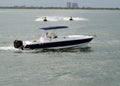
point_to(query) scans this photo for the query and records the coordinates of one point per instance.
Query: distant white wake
(7, 48)
(11, 48)
(60, 18)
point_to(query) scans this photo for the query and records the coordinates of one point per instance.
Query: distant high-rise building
(69, 5)
(72, 5)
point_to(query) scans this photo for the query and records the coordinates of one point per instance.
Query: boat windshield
(48, 37)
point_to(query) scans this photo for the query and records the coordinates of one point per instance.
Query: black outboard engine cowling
(18, 44)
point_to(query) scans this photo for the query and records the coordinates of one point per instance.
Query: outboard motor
(18, 44)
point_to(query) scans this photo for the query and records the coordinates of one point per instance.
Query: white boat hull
(83, 45)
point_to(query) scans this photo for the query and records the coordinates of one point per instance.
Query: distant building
(72, 5)
(69, 5)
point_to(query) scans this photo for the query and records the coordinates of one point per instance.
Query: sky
(62, 3)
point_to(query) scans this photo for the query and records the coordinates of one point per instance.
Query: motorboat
(53, 41)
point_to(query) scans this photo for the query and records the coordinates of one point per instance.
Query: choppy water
(97, 65)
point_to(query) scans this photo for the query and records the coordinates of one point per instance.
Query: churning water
(96, 65)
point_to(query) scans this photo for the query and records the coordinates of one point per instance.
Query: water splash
(11, 48)
(7, 48)
(60, 18)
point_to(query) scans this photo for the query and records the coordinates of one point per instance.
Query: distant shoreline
(80, 8)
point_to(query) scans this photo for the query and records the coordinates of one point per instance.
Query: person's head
(46, 33)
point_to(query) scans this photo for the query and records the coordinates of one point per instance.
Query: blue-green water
(97, 65)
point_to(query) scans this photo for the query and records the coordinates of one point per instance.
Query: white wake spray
(60, 18)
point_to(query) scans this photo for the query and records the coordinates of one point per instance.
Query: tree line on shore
(25, 7)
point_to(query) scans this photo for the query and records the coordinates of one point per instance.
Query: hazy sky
(81, 3)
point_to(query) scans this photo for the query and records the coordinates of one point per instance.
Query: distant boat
(53, 41)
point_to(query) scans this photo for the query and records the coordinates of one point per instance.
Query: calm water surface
(97, 65)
